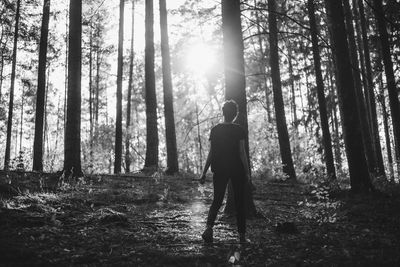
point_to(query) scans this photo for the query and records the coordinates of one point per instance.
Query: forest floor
(158, 221)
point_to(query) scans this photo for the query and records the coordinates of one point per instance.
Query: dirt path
(158, 222)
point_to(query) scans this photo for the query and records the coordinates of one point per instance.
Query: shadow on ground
(157, 221)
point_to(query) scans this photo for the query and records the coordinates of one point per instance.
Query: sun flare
(200, 58)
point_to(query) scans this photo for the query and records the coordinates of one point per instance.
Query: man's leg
(220, 182)
(239, 188)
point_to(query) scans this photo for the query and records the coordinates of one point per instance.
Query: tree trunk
(390, 79)
(292, 91)
(359, 175)
(91, 141)
(330, 166)
(41, 90)
(118, 122)
(130, 89)
(283, 135)
(235, 83)
(386, 128)
(370, 85)
(370, 153)
(72, 147)
(11, 101)
(151, 160)
(170, 135)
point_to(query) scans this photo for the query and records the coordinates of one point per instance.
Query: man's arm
(208, 163)
(243, 157)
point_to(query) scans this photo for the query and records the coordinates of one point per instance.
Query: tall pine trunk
(11, 101)
(170, 135)
(72, 147)
(385, 116)
(370, 153)
(118, 122)
(390, 79)
(91, 141)
(129, 98)
(370, 84)
(41, 90)
(235, 82)
(151, 160)
(330, 165)
(359, 175)
(283, 136)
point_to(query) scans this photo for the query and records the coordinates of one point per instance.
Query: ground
(157, 221)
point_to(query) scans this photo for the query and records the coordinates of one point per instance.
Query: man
(228, 161)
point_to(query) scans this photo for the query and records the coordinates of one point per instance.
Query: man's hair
(230, 110)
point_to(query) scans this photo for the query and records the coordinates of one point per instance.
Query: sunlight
(200, 59)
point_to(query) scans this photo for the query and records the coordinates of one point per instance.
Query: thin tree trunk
(2, 44)
(330, 165)
(72, 147)
(283, 135)
(359, 176)
(199, 137)
(386, 128)
(390, 79)
(90, 93)
(362, 113)
(21, 120)
(11, 101)
(370, 85)
(118, 127)
(151, 161)
(130, 89)
(292, 90)
(97, 100)
(41, 90)
(170, 135)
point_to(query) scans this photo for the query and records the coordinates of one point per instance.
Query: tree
(129, 97)
(41, 90)
(151, 160)
(235, 81)
(118, 127)
(359, 175)
(11, 101)
(283, 135)
(390, 79)
(369, 87)
(330, 166)
(72, 143)
(366, 132)
(170, 135)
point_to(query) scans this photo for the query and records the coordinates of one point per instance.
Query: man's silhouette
(228, 161)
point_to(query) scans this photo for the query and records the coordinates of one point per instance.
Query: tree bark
(118, 126)
(283, 135)
(41, 90)
(235, 82)
(129, 99)
(370, 84)
(11, 101)
(72, 147)
(370, 153)
(359, 175)
(382, 100)
(390, 79)
(330, 165)
(170, 134)
(151, 160)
